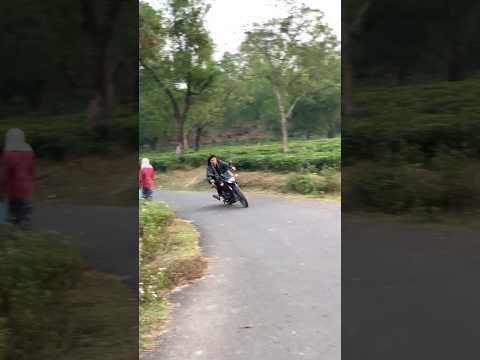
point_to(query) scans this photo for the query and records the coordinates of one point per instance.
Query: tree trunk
(456, 64)
(331, 132)
(179, 127)
(98, 106)
(110, 96)
(198, 134)
(186, 143)
(283, 118)
(135, 82)
(401, 73)
(100, 36)
(94, 111)
(347, 72)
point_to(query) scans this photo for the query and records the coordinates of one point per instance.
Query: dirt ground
(101, 180)
(261, 182)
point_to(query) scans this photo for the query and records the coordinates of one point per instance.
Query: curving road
(273, 287)
(106, 236)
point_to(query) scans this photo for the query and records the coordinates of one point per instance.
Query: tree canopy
(285, 77)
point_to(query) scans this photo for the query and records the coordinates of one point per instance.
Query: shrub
(333, 180)
(451, 184)
(302, 184)
(36, 273)
(154, 219)
(386, 189)
(303, 154)
(314, 184)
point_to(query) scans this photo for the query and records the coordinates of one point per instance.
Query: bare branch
(357, 22)
(292, 107)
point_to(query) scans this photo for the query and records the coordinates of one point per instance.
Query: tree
(101, 24)
(182, 63)
(273, 50)
(352, 20)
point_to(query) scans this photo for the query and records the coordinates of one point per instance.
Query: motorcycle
(231, 191)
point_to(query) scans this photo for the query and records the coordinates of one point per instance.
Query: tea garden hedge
(302, 154)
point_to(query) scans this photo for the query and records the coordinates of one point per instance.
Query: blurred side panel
(68, 175)
(410, 179)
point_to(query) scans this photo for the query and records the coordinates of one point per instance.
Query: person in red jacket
(146, 179)
(17, 176)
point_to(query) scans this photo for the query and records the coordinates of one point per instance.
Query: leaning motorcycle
(231, 191)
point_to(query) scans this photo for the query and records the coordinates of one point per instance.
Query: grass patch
(83, 180)
(169, 257)
(54, 306)
(325, 183)
(303, 154)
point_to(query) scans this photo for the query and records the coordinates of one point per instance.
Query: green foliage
(55, 137)
(168, 256)
(449, 183)
(394, 44)
(154, 218)
(36, 273)
(176, 63)
(309, 182)
(236, 89)
(52, 59)
(279, 52)
(420, 120)
(302, 184)
(303, 154)
(153, 240)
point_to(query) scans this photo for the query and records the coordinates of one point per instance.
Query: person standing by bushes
(146, 179)
(17, 177)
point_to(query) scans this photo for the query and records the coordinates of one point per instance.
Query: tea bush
(422, 144)
(422, 120)
(303, 154)
(56, 136)
(392, 189)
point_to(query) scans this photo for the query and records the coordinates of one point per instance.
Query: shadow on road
(219, 207)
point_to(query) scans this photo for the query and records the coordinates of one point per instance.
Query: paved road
(409, 291)
(273, 288)
(106, 236)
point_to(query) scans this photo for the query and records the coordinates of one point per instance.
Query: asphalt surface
(272, 291)
(409, 290)
(107, 237)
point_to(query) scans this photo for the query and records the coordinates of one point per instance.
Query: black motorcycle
(231, 191)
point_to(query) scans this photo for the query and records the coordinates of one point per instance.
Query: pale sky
(228, 19)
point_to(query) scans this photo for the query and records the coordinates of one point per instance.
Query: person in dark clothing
(216, 168)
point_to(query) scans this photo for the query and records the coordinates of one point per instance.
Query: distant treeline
(68, 57)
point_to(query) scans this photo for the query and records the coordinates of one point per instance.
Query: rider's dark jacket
(216, 172)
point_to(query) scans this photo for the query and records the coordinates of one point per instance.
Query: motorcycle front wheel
(243, 200)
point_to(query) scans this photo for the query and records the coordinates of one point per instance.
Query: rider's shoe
(216, 197)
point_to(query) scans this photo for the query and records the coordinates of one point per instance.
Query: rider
(216, 168)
